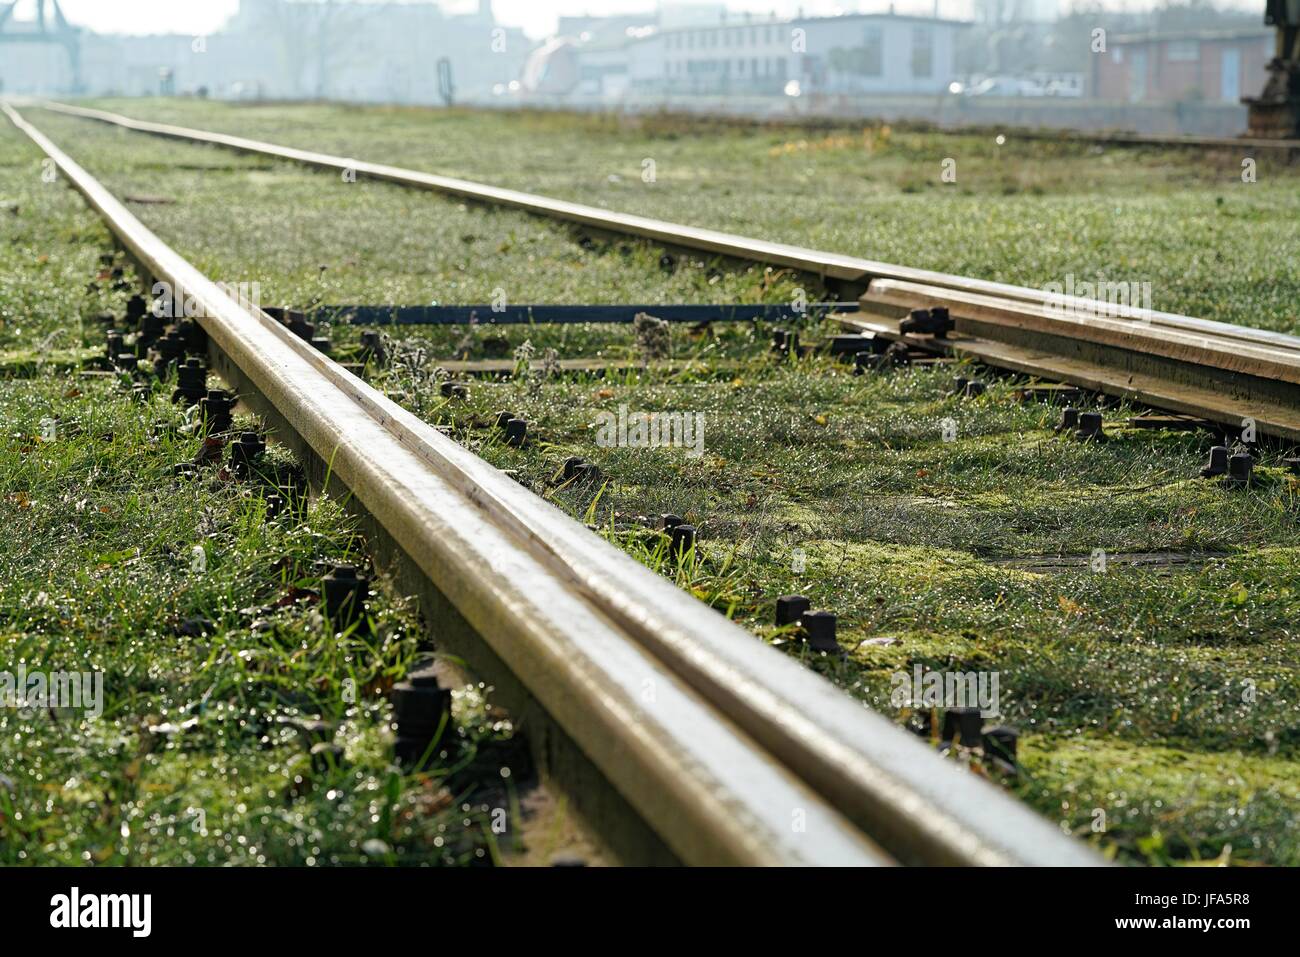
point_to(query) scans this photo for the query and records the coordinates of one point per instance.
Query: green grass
(220, 675)
(1165, 700)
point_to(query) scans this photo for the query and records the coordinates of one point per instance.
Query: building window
(767, 35)
(1182, 51)
(865, 60)
(922, 51)
(873, 52)
(740, 67)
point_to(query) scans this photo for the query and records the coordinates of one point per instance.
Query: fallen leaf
(1070, 607)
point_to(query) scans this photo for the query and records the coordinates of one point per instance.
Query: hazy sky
(537, 17)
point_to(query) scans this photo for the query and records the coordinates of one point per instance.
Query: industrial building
(1209, 65)
(882, 53)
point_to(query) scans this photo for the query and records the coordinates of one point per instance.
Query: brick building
(1210, 65)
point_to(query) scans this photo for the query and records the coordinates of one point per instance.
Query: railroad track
(1217, 372)
(678, 737)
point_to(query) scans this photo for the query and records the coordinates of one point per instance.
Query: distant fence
(1190, 119)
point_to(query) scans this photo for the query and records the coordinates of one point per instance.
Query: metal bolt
(966, 724)
(669, 521)
(192, 381)
(970, 723)
(588, 474)
(127, 362)
(244, 452)
(934, 321)
(959, 385)
(789, 608)
(779, 337)
(819, 630)
(917, 320)
(1218, 463)
(215, 410)
(1292, 464)
(1089, 426)
(185, 469)
(1069, 420)
(322, 344)
(1239, 468)
(571, 466)
(683, 539)
(196, 340)
(456, 390)
(151, 330)
(516, 432)
(135, 309)
(167, 350)
(419, 704)
(503, 419)
(975, 387)
(344, 594)
(862, 361)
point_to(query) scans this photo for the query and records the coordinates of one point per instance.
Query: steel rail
(1094, 325)
(1225, 381)
(854, 271)
(736, 738)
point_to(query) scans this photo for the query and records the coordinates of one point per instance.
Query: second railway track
(1218, 372)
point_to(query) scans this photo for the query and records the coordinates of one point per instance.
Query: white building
(880, 53)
